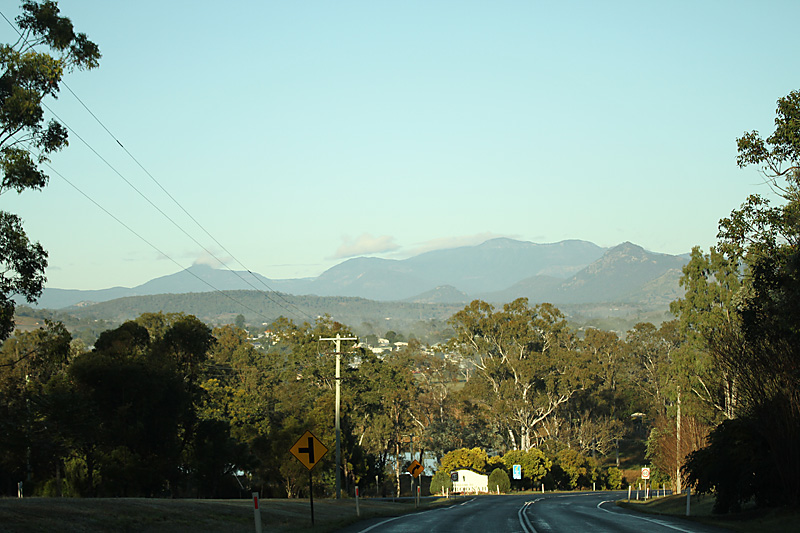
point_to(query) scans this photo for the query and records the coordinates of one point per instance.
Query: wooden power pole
(338, 340)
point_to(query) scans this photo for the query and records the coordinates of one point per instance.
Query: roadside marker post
(358, 511)
(688, 500)
(256, 513)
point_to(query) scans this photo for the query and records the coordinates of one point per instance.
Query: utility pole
(338, 340)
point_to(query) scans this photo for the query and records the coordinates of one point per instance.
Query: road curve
(597, 513)
(593, 512)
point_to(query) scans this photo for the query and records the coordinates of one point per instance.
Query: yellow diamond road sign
(415, 469)
(308, 450)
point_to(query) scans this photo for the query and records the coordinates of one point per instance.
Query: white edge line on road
(526, 525)
(659, 522)
(373, 526)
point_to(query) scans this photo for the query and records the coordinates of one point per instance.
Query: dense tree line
(749, 295)
(164, 406)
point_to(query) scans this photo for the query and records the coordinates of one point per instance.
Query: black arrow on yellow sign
(415, 469)
(308, 450)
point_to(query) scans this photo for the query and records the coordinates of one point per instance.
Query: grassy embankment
(90, 515)
(747, 521)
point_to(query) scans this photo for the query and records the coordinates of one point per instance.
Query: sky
(285, 137)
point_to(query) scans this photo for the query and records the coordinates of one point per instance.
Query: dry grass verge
(748, 521)
(90, 515)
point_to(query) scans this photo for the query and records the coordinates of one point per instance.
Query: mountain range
(499, 270)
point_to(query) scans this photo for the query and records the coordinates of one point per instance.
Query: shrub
(614, 478)
(499, 479)
(441, 481)
(535, 465)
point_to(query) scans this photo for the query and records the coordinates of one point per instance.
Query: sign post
(415, 469)
(645, 477)
(309, 450)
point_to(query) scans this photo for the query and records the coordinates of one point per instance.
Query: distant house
(468, 481)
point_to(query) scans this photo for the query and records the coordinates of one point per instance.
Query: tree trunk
(397, 465)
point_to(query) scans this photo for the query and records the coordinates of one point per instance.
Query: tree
(26, 142)
(778, 155)
(382, 416)
(433, 403)
(761, 347)
(441, 482)
(23, 265)
(31, 446)
(651, 350)
(707, 309)
(526, 360)
(129, 412)
(534, 464)
(463, 458)
(734, 467)
(498, 480)
(572, 470)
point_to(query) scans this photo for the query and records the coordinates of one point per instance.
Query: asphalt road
(593, 512)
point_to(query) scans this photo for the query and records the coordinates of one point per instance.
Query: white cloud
(365, 244)
(213, 260)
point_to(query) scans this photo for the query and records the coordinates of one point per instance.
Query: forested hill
(259, 308)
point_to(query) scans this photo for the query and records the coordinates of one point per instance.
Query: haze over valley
(616, 286)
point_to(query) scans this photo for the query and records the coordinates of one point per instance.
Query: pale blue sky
(299, 133)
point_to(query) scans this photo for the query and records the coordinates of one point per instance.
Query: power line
(161, 211)
(153, 246)
(176, 202)
(164, 214)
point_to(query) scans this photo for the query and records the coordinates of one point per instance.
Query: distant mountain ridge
(498, 270)
(626, 273)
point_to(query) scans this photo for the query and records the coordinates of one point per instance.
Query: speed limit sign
(645, 473)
